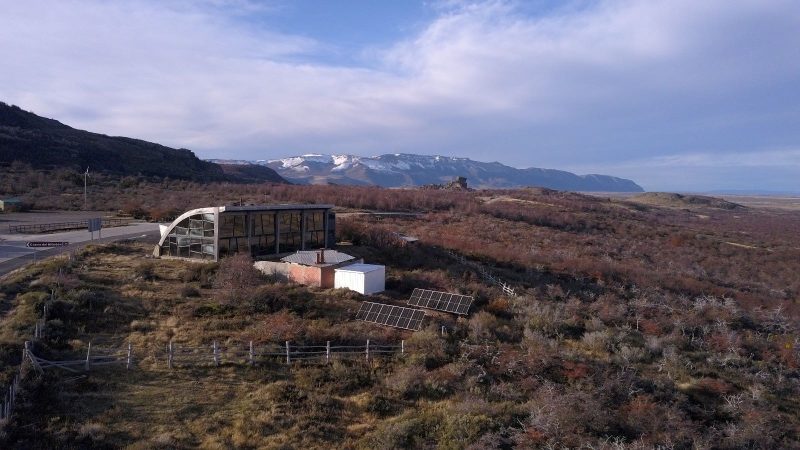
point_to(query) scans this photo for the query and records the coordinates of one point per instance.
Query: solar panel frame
(441, 301)
(390, 315)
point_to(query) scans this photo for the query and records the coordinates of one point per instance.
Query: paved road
(14, 253)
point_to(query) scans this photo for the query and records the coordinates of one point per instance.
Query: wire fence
(9, 400)
(173, 356)
(287, 352)
(485, 273)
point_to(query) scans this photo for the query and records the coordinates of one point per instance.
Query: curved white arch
(208, 210)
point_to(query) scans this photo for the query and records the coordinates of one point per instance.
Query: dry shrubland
(635, 327)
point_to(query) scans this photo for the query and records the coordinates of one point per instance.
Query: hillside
(634, 327)
(398, 170)
(46, 144)
(673, 200)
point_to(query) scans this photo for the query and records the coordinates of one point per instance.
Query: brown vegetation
(636, 327)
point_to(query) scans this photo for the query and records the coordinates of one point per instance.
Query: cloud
(604, 83)
(765, 158)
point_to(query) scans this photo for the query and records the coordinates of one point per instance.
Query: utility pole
(85, 177)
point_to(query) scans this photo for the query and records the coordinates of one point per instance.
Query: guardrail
(63, 226)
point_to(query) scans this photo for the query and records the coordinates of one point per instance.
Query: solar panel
(393, 316)
(442, 301)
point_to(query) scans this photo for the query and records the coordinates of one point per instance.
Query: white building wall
(362, 278)
(375, 281)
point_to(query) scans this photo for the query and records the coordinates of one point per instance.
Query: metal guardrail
(63, 226)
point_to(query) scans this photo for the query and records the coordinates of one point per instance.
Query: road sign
(37, 244)
(95, 224)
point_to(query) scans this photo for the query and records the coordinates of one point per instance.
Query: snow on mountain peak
(402, 169)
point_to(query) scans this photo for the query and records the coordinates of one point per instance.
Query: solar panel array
(442, 301)
(393, 316)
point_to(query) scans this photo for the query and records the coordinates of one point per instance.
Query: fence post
(88, 356)
(288, 360)
(328, 351)
(403, 347)
(251, 354)
(443, 333)
(128, 361)
(14, 386)
(216, 357)
(169, 355)
(367, 349)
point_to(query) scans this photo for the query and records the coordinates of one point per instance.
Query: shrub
(426, 347)
(146, 271)
(201, 272)
(382, 406)
(482, 326)
(189, 291)
(236, 278)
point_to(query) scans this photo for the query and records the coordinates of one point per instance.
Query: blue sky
(678, 95)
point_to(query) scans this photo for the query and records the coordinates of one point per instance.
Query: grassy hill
(46, 144)
(635, 327)
(668, 199)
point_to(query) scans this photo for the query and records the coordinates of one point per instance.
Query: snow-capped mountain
(397, 170)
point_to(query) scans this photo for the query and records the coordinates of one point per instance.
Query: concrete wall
(274, 268)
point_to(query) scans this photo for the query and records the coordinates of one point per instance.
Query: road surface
(14, 252)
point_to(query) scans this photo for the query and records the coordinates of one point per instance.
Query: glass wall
(315, 229)
(193, 237)
(331, 229)
(232, 234)
(290, 233)
(260, 233)
(262, 227)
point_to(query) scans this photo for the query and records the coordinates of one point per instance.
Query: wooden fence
(214, 355)
(485, 273)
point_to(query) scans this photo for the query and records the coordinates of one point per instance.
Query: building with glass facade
(262, 230)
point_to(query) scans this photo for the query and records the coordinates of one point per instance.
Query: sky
(678, 95)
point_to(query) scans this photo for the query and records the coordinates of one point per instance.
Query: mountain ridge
(45, 143)
(405, 170)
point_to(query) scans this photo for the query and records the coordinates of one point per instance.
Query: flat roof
(283, 206)
(360, 268)
(309, 257)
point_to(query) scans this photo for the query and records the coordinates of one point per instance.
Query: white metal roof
(309, 257)
(360, 268)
